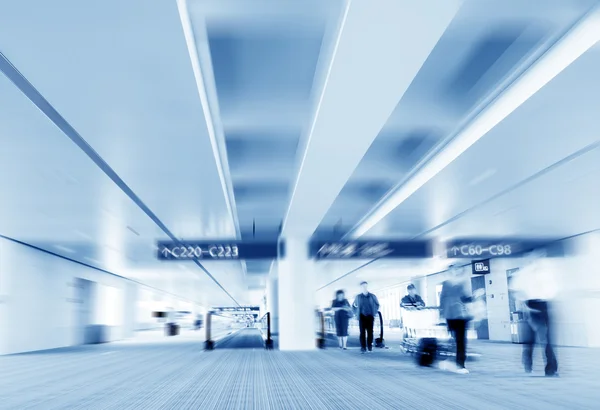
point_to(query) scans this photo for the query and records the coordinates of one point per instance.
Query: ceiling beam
(196, 38)
(15, 76)
(578, 40)
(380, 48)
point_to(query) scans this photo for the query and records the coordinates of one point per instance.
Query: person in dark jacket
(367, 307)
(454, 301)
(536, 286)
(412, 300)
(343, 312)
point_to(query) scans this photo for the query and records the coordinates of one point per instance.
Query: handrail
(327, 313)
(209, 343)
(321, 340)
(380, 343)
(268, 339)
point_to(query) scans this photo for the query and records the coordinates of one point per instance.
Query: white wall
(498, 309)
(130, 306)
(576, 320)
(38, 301)
(576, 310)
(39, 305)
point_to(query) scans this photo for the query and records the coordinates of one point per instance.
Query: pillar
(130, 306)
(297, 292)
(273, 303)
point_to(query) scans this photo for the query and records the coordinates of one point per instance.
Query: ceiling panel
(485, 43)
(131, 94)
(58, 200)
(559, 203)
(557, 122)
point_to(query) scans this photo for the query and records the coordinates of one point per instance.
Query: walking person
(536, 286)
(454, 301)
(343, 313)
(367, 307)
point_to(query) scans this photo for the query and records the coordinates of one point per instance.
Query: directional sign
(219, 250)
(498, 248)
(233, 310)
(366, 249)
(481, 267)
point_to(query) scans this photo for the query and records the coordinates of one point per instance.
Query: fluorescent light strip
(210, 125)
(574, 44)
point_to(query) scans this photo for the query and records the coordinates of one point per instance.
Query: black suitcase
(427, 351)
(172, 329)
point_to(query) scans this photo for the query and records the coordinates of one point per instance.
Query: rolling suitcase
(172, 329)
(427, 351)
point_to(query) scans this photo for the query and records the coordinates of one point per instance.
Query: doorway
(84, 316)
(482, 326)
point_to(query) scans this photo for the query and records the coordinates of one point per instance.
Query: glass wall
(389, 300)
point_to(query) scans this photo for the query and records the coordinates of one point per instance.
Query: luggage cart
(425, 335)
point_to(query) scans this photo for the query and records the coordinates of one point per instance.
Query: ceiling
(221, 119)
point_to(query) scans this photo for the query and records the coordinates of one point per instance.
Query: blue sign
(365, 249)
(243, 309)
(219, 250)
(498, 248)
(481, 267)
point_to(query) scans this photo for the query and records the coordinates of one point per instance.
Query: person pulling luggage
(367, 307)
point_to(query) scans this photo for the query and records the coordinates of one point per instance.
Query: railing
(219, 326)
(326, 327)
(321, 331)
(265, 329)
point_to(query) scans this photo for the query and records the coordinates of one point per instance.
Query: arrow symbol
(455, 249)
(165, 252)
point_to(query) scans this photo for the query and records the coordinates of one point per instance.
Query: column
(273, 303)
(297, 291)
(130, 306)
(575, 309)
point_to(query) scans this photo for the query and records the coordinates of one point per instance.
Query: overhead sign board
(498, 248)
(243, 309)
(481, 267)
(218, 250)
(365, 249)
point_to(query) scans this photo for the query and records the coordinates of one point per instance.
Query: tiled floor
(174, 373)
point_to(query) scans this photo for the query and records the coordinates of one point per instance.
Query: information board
(370, 249)
(218, 250)
(497, 248)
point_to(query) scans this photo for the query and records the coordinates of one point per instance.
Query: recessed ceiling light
(82, 235)
(64, 249)
(483, 176)
(111, 248)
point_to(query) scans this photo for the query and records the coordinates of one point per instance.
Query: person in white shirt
(536, 286)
